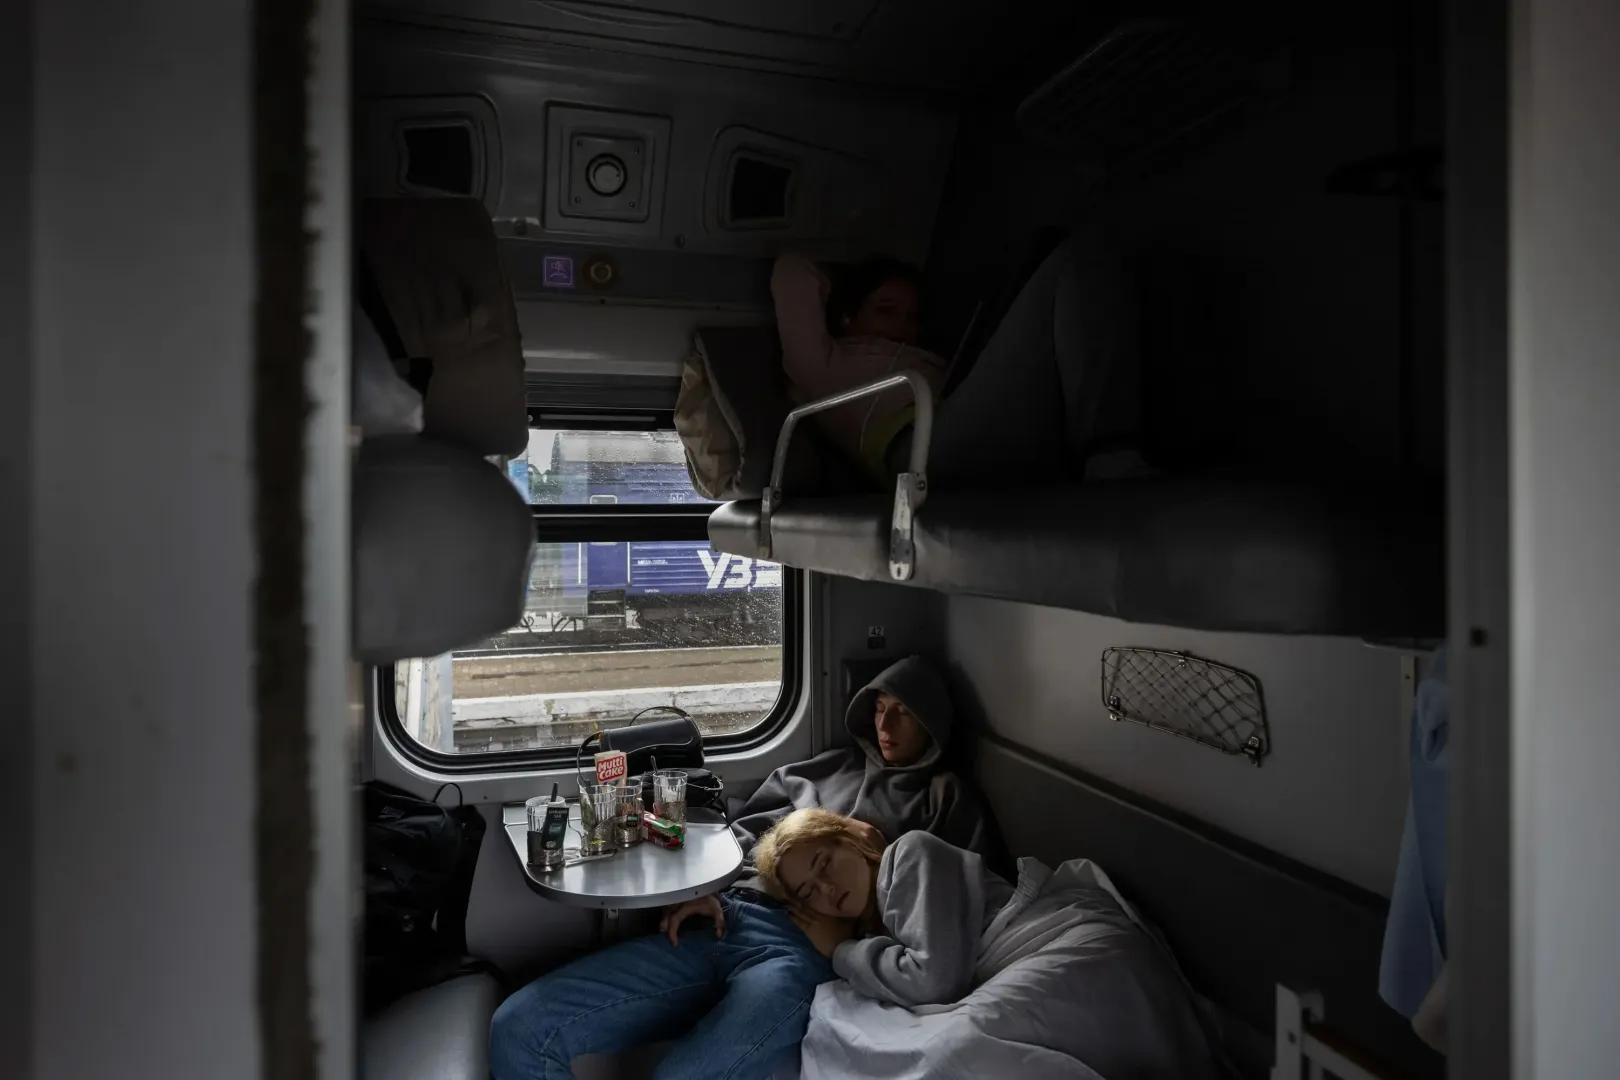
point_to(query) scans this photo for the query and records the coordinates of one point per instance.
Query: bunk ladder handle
(1306, 1047)
(910, 487)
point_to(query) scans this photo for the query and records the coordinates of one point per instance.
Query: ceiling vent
(436, 157)
(759, 191)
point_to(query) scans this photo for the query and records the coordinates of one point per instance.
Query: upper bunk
(1212, 552)
(1287, 383)
(1281, 557)
(1251, 321)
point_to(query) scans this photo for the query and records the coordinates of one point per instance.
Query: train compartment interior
(1272, 179)
(410, 405)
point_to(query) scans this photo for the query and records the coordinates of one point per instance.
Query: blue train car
(648, 581)
(663, 568)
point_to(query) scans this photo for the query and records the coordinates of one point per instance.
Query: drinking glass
(669, 795)
(537, 811)
(598, 808)
(627, 820)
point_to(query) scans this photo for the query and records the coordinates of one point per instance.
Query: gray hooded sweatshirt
(936, 902)
(855, 780)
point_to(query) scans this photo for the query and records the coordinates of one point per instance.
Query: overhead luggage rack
(1363, 559)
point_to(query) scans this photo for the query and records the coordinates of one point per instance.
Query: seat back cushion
(733, 402)
(443, 544)
(441, 1033)
(438, 273)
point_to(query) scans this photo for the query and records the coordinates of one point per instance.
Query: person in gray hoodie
(736, 999)
(893, 776)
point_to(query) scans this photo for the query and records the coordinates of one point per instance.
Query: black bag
(704, 791)
(675, 743)
(419, 863)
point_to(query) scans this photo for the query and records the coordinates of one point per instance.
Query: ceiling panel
(952, 45)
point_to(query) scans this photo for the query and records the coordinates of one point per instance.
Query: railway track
(612, 639)
(510, 674)
(515, 652)
(567, 734)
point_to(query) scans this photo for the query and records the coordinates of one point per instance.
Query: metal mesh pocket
(1211, 704)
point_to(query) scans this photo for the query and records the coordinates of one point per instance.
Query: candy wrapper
(666, 834)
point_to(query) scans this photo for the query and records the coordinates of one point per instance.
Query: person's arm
(962, 821)
(800, 290)
(784, 791)
(825, 934)
(871, 834)
(770, 803)
(931, 897)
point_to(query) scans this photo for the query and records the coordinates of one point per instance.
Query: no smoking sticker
(559, 271)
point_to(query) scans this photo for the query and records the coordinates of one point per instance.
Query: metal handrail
(911, 487)
(1305, 1046)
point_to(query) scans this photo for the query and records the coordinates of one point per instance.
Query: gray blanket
(1060, 980)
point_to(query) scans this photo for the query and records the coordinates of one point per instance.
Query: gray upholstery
(844, 535)
(744, 365)
(438, 274)
(441, 1033)
(1239, 918)
(442, 548)
(745, 373)
(1226, 554)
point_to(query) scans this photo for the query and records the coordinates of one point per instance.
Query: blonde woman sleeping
(1056, 978)
(902, 922)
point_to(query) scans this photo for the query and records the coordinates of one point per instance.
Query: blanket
(1067, 982)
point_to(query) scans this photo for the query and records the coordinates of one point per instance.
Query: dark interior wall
(1289, 327)
(1286, 324)
(1557, 774)
(16, 362)
(1428, 240)
(1277, 299)
(143, 318)
(1239, 919)
(1000, 190)
(1332, 793)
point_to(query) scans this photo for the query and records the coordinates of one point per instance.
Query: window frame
(614, 523)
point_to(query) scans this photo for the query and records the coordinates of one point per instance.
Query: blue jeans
(736, 1008)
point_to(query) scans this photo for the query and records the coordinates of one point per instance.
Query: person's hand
(824, 933)
(868, 834)
(705, 906)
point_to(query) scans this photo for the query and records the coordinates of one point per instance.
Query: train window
(572, 468)
(612, 624)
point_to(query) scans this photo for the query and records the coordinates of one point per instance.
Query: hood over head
(921, 688)
(855, 780)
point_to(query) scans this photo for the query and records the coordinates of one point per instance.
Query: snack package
(666, 834)
(610, 767)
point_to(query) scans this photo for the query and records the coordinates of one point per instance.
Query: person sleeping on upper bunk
(837, 338)
(730, 976)
(1031, 406)
(947, 968)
